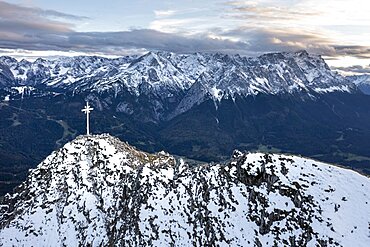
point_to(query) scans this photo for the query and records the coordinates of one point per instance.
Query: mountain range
(99, 191)
(180, 81)
(200, 106)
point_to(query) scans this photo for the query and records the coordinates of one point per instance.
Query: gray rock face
(98, 191)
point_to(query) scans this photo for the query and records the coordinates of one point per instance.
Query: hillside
(97, 190)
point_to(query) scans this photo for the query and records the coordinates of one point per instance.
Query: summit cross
(87, 109)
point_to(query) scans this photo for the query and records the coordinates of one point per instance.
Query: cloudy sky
(337, 29)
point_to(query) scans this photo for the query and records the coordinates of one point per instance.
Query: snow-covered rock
(169, 72)
(98, 191)
(361, 81)
(174, 83)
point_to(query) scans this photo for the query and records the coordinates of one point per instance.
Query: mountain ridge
(192, 66)
(97, 190)
(174, 83)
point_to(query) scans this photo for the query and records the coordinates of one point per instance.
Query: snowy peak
(270, 73)
(300, 71)
(168, 84)
(275, 74)
(98, 191)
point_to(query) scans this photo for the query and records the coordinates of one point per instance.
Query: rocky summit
(99, 191)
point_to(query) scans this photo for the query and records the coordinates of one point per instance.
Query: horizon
(336, 30)
(73, 55)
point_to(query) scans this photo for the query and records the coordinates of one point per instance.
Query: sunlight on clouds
(276, 40)
(187, 21)
(164, 13)
(346, 61)
(337, 29)
(173, 25)
(220, 37)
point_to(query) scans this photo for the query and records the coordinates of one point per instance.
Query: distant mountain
(98, 191)
(201, 106)
(362, 82)
(185, 80)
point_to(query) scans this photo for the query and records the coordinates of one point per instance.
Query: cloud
(13, 11)
(174, 25)
(115, 43)
(262, 40)
(258, 12)
(314, 25)
(362, 52)
(33, 29)
(272, 13)
(354, 69)
(164, 13)
(18, 20)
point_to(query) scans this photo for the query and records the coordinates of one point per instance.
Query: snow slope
(98, 191)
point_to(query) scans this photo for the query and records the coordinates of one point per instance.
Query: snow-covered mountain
(174, 83)
(221, 75)
(98, 191)
(361, 81)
